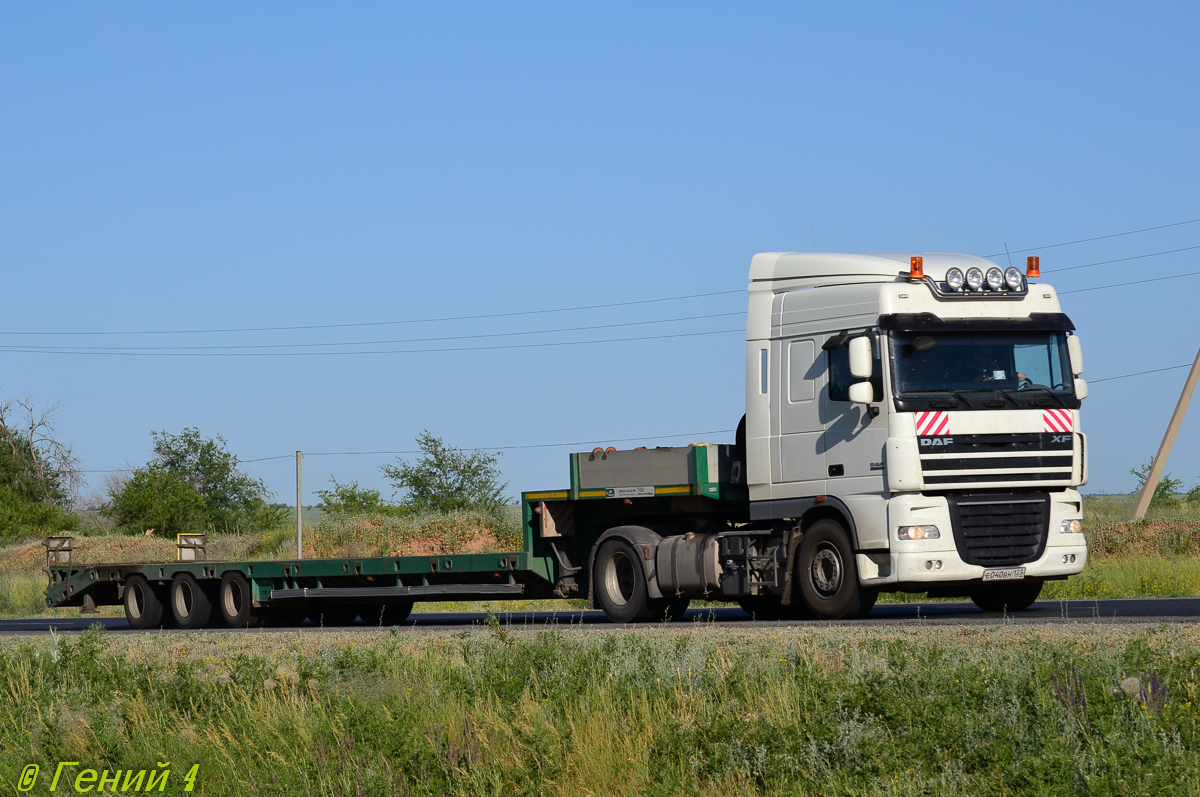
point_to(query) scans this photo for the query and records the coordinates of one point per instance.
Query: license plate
(1005, 574)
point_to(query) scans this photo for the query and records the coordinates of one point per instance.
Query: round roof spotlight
(995, 278)
(1012, 278)
(974, 279)
(954, 279)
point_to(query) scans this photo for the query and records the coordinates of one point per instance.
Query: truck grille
(1000, 530)
(952, 462)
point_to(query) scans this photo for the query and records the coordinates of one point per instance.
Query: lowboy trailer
(905, 430)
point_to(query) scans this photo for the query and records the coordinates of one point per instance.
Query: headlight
(1012, 278)
(995, 278)
(1071, 527)
(954, 279)
(918, 533)
(974, 279)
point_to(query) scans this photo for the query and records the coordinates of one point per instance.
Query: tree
(1166, 492)
(445, 479)
(350, 499)
(191, 484)
(39, 475)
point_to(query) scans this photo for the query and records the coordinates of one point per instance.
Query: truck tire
(1006, 597)
(826, 574)
(666, 610)
(236, 602)
(190, 605)
(143, 604)
(619, 583)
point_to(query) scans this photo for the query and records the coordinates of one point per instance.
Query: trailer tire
(619, 583)
(143, 604)
(190, 605)
(236, 601)
(1006, 597)
(826, 573)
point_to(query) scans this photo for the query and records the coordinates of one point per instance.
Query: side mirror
(861, 361)
(862, 393)
(1075, 351)
(1080, 389)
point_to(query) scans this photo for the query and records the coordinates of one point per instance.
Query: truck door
(800, 424)
(853, 442)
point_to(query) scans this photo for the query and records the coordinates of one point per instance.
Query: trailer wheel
(236, 601)
(827, 574)
(1006, 597)
(143, 607)
(189, 603)
(620, 583)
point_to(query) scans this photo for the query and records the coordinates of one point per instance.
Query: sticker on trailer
(932, 423)
(1057, 420)
(629, 492)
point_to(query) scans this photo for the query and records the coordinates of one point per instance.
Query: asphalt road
(1138, 611)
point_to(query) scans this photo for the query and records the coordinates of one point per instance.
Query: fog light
(937, 564)
(1065, 559)
(1073, 526)
(974, 279)
(995, 278)
(1012, 278)
(918, 533)
(1072, 558)
(928, 564)
(954, 279)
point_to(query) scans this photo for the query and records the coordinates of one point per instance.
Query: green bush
(191, 485)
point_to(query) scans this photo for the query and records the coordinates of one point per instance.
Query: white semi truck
(912, 424)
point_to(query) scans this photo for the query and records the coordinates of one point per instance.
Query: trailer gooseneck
(912, 424)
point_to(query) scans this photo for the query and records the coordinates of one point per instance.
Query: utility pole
(1160, 459)
(299, 522)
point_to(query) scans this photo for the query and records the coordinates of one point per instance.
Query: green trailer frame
(560, 529)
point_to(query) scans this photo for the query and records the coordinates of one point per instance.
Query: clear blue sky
(214, 166)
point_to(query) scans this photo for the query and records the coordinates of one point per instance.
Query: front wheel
(1007, 597)
(827, 575)
(619, 584)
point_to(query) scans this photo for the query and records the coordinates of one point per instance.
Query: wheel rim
(827, 570)
(232, 599)
(137, 602)
(183, 599)
(619, 578)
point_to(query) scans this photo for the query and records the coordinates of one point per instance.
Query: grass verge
(846, 711)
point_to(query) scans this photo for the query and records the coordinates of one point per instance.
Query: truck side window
(840, 378)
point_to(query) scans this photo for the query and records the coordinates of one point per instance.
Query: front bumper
(924, 563)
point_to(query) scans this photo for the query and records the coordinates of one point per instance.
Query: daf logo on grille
(936, 441)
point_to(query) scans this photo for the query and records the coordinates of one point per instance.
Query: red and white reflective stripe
(1057, 420)
(930, 423)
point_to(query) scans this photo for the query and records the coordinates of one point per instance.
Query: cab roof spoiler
(928, 322)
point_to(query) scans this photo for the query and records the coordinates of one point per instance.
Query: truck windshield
(1020, 369)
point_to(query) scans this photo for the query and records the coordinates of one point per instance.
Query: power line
(81, 349)
(34, 350)
(1097, 238)
(1124, 284)
(1140, 373)
(1122, 259)
(392, 323)
(475, 448)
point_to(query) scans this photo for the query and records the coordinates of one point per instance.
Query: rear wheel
(619, 583)
(826, 573)
(1007, 597)
(189, 603)
(143, 606)
(668, 609)
(236, 602)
